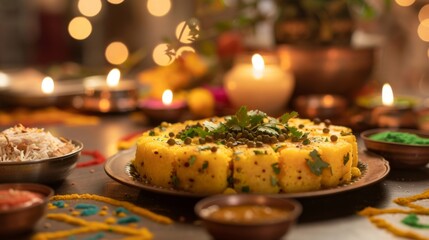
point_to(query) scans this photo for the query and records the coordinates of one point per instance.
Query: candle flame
(258, 65)
(48, 85)
(4, 80)
(387, 95)
(328, 100)
(113, 77)
(167, 97)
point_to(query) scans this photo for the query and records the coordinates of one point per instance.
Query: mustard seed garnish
(334, 138)
(171, 142)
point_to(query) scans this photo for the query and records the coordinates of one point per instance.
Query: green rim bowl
(399, 155)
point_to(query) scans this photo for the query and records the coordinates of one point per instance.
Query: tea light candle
(167, 109)
(107, 94)
(258, 85)
(391, 114)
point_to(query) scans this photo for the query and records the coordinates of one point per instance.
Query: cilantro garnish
(175, 180)
(275, 167)
(259, 152)
(274, 181)
(346, 158)
(285, 117)
(192, 160)
(151, 133)
(193, 131)
(205, 165)
(316, 165)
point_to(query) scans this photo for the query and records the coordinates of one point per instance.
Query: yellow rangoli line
(370, 212)
(88, 226)
(381, 223)
(138, 210)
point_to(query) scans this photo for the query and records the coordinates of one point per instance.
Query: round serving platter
(374, 168)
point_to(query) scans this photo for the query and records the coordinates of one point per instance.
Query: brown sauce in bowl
(246, 214)
(12, 199)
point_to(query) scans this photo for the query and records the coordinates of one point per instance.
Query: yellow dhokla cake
(248, 152)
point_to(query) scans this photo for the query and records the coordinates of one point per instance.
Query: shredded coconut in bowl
(19, 143)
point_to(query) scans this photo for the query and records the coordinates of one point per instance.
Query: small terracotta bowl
(399, 155)
(23, 219)
(266, 229)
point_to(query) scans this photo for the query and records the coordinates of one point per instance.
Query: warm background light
(258, 65)
(116, 53)
(4, 80)
(89, 8)
(424, 13)
(158, 8)
(160, 56)
(423, 30)
(183, 33)
(47, 86)
(113, 77)
(115, 1)
(387, 95)
(405, 3)
(167, 97)
(80, 28)
(184, 49)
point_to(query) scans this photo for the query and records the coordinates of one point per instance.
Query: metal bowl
(40, 171)
(23, 219)
(399, 155)
(341, 70)
(322, 106)
(268, 229)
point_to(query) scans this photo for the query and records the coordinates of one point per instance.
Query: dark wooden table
(328, 217)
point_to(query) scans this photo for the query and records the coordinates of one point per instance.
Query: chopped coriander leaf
(151, 133)
(205, 165)
(274, 181)
(316, 165)
(285, 117)
(174, 180)
(275, 167)
(192, 160)
(346, 158)
(245, 189)
(259, 152)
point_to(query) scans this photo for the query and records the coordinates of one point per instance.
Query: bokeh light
(404, 3)
(4, 80)
(160, 56)
(80, 28)
(116, 53)
(158, 8)
(185, 34)
(89, 8)
(424, 13)
(183, 50)
(48, 85)
(115, 1)
(423, 30)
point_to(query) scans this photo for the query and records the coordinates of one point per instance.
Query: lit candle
(167, 109)
(387, 97)
(259, 85)
(392, 113)
(108, 94)
(47, 85)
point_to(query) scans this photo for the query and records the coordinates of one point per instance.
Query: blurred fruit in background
(201, 102)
